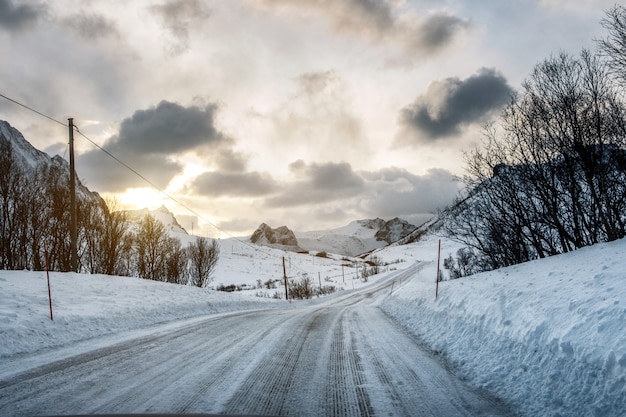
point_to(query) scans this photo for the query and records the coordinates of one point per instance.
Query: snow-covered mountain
(162, 214)
(29, 159)
(23, 153)
(357, 237)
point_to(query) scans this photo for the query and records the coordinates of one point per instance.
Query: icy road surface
(342, 357)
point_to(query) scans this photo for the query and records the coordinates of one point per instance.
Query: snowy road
(342, 357)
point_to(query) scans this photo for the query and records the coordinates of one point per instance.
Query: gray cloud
(15, 17)
(246, 184)
(312, 83)
(382, 21)
(397, 192)
(333, 192)
(228, 160)
(102, 173)
(147, 141)
(361, 15)
(179, 16)
(92, 25)
(436, 32)
(167, 128)
(318, 183)
(451, 104)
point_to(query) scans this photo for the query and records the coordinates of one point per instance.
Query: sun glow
(139, 198)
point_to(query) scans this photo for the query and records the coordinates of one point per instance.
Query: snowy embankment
(91, 306)
(548, 336)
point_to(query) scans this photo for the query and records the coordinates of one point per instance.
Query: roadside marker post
(45, 253)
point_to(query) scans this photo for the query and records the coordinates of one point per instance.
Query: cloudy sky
(305, 113)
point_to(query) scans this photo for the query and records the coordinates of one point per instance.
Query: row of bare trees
(34, 215)
(161, 257)
(551, 175)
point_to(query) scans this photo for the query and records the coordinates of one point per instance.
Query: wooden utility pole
(285, 276)
(73, 221)
(437, 280)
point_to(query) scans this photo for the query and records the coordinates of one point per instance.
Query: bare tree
(176, 263)
(550, 178)
(614, 45)
(116, 241)
(151, 249)
(203, 256)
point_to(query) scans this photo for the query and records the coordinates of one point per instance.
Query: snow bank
(547, 336)
(89, 306)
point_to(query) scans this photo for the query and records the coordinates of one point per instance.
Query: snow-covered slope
(163, 215)
(23, 152)
(357, 237)
(548, 336)
(28, 158)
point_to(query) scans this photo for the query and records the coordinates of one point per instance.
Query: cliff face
(264, 234)
(394, 230)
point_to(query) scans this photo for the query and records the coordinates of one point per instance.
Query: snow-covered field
(548, 337)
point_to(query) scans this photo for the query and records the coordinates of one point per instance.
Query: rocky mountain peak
(281, 237)
(393, 230)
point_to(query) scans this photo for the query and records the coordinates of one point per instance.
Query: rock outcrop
(281, 237)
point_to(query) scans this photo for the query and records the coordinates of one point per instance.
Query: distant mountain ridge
(358, 237)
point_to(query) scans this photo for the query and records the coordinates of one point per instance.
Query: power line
(34, 111)
(138, 174)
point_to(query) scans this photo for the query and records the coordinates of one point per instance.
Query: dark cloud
(451, 104)
(167, 128)
(15, 17)
(318, 183)
(179, 16)
(147, 141)
(382, 21)
(92, 25)
(246, 184)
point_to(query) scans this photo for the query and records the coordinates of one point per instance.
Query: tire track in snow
(277, 386)
(343, 397)
(114, 380)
